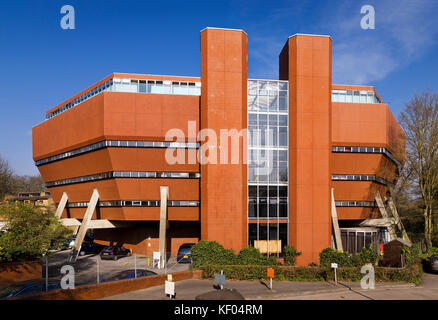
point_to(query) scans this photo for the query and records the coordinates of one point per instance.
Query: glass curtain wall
(268, 165)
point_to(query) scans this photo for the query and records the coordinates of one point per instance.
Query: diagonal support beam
(385, 215)
(61, 205)
(398, 222)
(85, 221)
(335, 223)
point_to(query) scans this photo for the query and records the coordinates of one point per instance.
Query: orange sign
(270, 273)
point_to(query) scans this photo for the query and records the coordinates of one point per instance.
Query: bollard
(135, 265)
(98, 280)
(47, 274)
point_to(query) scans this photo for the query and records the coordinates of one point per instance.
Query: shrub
(251, 256)
(367, 255)
(329, 256)
(272, 261)
(289, 254)
(211, 252)
(413, 254)
(344, 259)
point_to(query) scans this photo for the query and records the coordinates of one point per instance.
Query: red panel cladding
(224, 106)
(306, 62)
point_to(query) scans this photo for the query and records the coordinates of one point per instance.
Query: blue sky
(41, 64)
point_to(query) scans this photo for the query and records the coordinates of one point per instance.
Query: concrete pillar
(164, 195)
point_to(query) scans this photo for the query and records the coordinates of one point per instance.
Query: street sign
(169, 288)
(335, 266)
(156, 259)
(219, 279)
(270, 273)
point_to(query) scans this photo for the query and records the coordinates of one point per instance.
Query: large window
(354, 239)
(355, 96)
(267, 161)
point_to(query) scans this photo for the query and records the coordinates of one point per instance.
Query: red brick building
(112, 137)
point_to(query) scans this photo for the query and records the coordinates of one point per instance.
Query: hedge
(345, 259)
(213, 253)
(410, 274)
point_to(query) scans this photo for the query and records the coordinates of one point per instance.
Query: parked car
(114, 252)
(90, 248)
(130, 274)
(184, 253)
(69, 242)
(27, 288)
(433, 263)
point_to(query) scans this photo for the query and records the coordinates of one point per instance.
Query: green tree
(6, 178)
(30, 232)
(419, 121)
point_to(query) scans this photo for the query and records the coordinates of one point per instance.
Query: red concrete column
(224, 106)
(306, 61)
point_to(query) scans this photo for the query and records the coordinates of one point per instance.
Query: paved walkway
(286, 290)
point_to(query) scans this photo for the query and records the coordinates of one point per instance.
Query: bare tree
(419, 121)
(6, 176)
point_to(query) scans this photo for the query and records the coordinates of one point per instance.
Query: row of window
(267, 207)
(132, 85)
(271, 85)
(136, 203)
(267, 96)
(157, 86)
(355, 96)
(267, 137)
(87, 95)
(354, 240)
(268, 175)
(359, 177)
(264, 191)
(269, 232)
(368, 204)
(120, 144)
(340, 149)
(126, 174)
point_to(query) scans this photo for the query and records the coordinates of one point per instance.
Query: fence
(56, 272)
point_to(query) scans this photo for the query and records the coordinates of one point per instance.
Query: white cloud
(405, 30)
